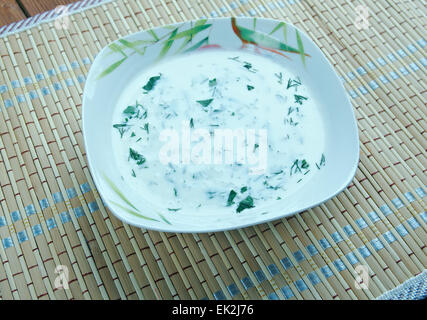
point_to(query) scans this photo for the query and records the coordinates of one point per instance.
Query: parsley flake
(205, 103)
(246, 203)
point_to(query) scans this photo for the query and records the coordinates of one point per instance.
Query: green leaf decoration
(279, 26)
(198, 44)
(200, 22)
(167, 45)
(135, 46)
(170, 27)
(132, 212)
(164, 219)
(300, 47)
(186, 41)
(132, 45)
(118, 192)
(153, 34)
(264, 40)
(190, 32)
(111, 68)
(116, 48)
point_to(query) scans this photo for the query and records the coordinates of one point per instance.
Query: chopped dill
(279, 77)
(299, 99)
(139, 158)
(293, 83)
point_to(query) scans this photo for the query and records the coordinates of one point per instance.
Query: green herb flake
(295, 168)
(133, 173)
(120, 128)
(293, 83)
(120, 125)
(212, 83)
(231, 197)
(322, 162)
(136, 156)
(146, 128)
(243, 190)
(130, 110)
(191, 123)
(298, 165)
(279, 77)
(205, 103)
(174, 210)
(247, 65)
(304, 164)
(250, 87)
(151, 83)
(299, 99)
(246, 203)
(133, 134)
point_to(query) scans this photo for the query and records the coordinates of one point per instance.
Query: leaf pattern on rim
(118, 192)
(132, 45)
(191, 32)
(189, 37)
(127, 48)
(153, 34)
(111, 68)
(267, 41)
(198, 44)
(133, 210)
(300, 47)
(285, 31)
(167, 45)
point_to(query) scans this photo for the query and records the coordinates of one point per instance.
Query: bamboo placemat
(51, 214)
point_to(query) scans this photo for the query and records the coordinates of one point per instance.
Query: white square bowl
(128, 56)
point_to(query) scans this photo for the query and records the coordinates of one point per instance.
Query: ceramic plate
(127, 57)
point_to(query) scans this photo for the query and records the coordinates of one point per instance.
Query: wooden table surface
(15, 10)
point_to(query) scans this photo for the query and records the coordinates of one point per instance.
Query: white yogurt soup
(216, 130)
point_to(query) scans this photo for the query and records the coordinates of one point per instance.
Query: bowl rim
(171, 228)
